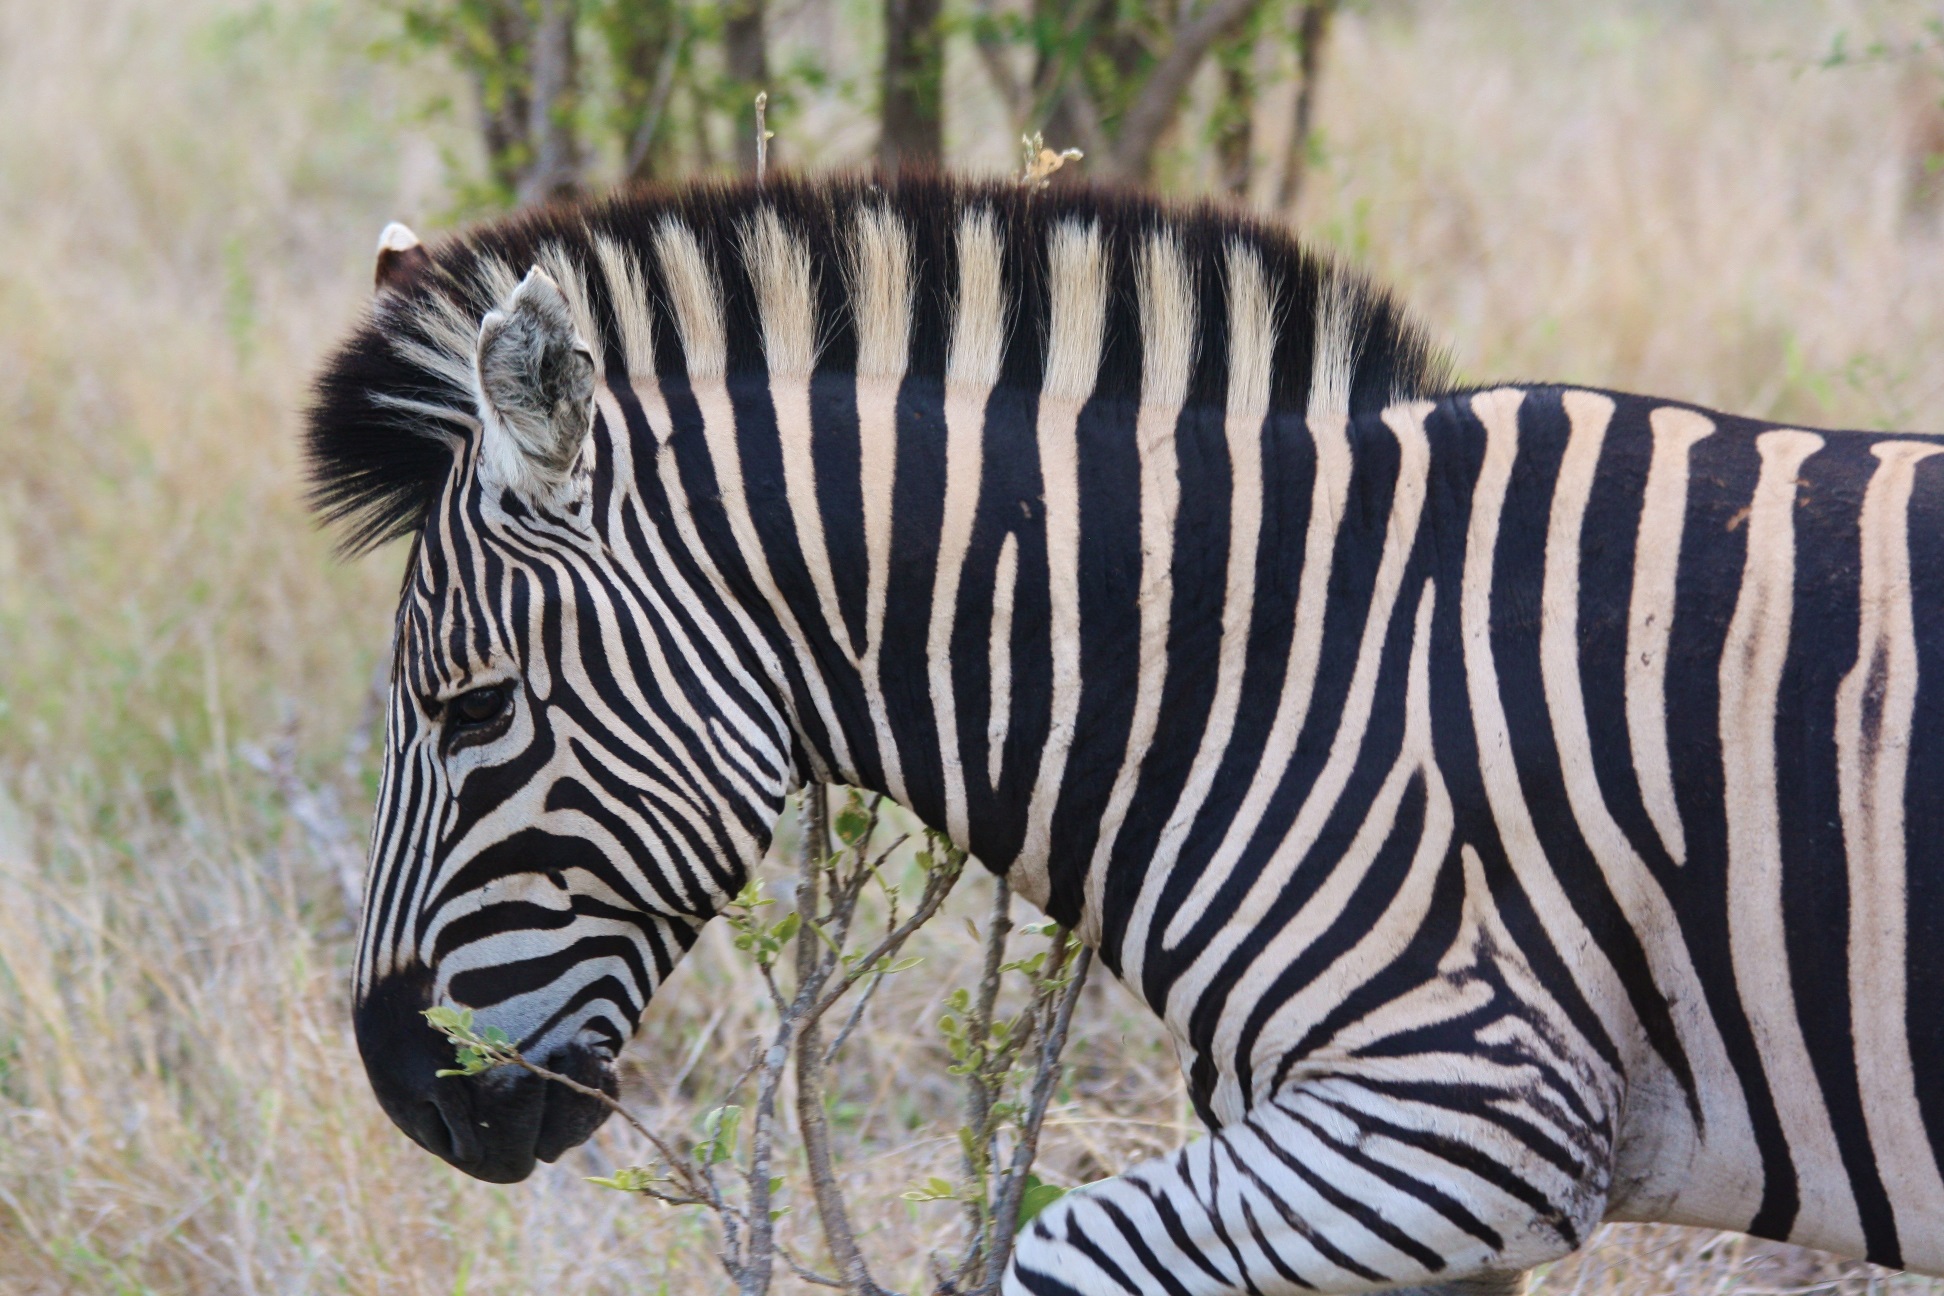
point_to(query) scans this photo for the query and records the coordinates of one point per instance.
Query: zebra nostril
(432, 1130)
(455, 1130)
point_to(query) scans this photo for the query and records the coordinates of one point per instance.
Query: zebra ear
(400, 257)
(536, 389)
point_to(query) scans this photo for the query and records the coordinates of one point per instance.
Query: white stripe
(1727, 1132)
(628, 294)
(1338, 337)
(1752, 661)
(698, 318)
(999, 654)
(1650, 616)
(882, 284)
(1403, 915)
(1406, 423)
(779, 270)
(1874, 707)
(1076, 274)
(971, 372)
(1598, 984)
(1252, 340)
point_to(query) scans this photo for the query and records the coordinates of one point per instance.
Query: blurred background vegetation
(1732, 203)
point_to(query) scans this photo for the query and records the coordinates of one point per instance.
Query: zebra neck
(1017, 598)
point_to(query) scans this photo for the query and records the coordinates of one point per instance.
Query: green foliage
(721, 1130)
(1037, 1197)
(997, 1055)
(933, 1189)
(650, 99)
(629, 1179)
(762, 941)
(491, 41)
(853, 821)
(478, 1050)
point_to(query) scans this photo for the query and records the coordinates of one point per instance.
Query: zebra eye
(477, 714)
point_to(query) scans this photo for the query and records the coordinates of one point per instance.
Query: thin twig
(851, 1022)
(979, 1088)
(815, 962)
(1052, 1044)
(938, 885)
(763, 135)
(813, 1126)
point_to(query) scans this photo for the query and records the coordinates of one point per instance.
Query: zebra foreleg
(1312, 1193)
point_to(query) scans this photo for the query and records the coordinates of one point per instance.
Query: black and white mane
(374, 471)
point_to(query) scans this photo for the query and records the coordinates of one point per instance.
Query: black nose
(493, 1126)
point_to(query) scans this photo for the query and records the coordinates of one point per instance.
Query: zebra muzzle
(495, 1126)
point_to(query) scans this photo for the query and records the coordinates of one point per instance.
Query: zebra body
(1521, 805)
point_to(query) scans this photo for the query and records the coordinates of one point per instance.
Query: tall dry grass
(1649, 195)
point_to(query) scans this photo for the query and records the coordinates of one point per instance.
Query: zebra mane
(395, 400)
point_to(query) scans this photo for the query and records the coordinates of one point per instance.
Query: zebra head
(560, 810)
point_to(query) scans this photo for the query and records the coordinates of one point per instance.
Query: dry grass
(1649, 195)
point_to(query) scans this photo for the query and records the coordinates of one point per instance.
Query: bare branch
(829, 887)
(651, 117)
(745, 57)
(757, 1268)
(851, 1022)
(812, 1125)
(980, 1089)
(938, 885)
(1160, 97)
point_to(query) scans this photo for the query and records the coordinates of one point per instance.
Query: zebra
(1513, 799)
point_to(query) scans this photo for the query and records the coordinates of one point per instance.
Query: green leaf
(786, 927)
(1037, 1197)
(776, 1182)
(720, 1129)
(933, 1189)
(450, 1020)
(631, 1179)
(852, 823)
(824, 936)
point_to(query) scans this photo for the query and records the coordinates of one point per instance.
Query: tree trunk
(914, 71)
(646, 40)
(1235, 118)
(555, 172)
(500, 81)
(745, 55)
(1311, 37)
